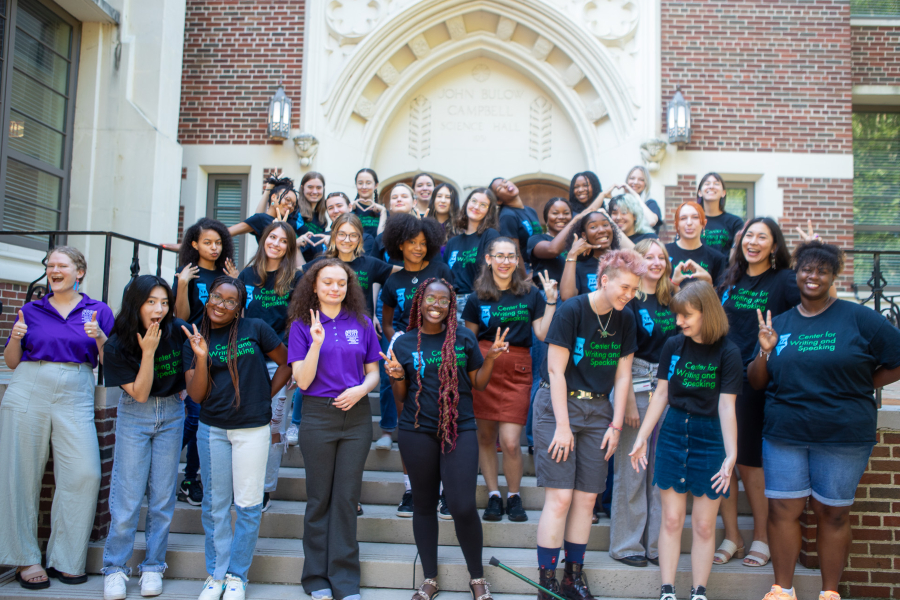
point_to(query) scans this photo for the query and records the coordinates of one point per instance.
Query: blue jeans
(148, 447)
(233, 464)
(191, 419)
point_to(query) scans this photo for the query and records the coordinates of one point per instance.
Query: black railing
(877, 288)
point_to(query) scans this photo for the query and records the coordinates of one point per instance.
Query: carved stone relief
(351, 20)
(540, 129)
(420, 127)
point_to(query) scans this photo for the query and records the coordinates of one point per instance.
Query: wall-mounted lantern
(279, 115)
(679, 119)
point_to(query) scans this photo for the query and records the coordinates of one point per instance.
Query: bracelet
(571, 260)
(550, 303)
(398, 378)
(619, 429)
(764, 353)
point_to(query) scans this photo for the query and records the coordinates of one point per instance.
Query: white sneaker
(114, 586)
(325, 594)
(234, 588)
(293, 435)
(384, 442)
(151, 583)
(212, 589)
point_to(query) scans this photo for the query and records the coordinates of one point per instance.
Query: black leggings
(458, 470)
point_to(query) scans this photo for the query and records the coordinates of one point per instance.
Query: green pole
(496, 563)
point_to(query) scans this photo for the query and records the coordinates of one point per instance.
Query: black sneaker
(443, 511)
(514, 509)
(406, 505)
(190, 492)
(494, 510)
(267, 502)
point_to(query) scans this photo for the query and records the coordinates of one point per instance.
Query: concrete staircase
(388, 552)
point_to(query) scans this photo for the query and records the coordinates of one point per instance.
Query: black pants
(334, 444)
(458, 470)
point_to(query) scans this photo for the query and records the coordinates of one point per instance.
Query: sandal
(487, 590)
(756, 561)
(67, 579)
(726, 551)
(421, 594)
(24, 575)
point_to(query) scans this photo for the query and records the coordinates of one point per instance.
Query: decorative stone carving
(596, 110)
(505, 29)
(541, 49)
(306, 145)
(457, 28)
(540, 129)
(481, 72)
(420, 127)
(652, 152)
(351, 20)
(388, 74)
(573, 75)
(419, 46)
(610, 20)
(364, 108)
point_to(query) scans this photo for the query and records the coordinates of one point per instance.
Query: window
(227, 202)
(875, 8)
(876, 191)
(739, 199)
(38, 63)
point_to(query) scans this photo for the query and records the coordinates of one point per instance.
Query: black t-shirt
(369, 220)
(654, 208)
(369, 244)
(720, 231)
(259, 221)
(381, 254)
(772, 290)
(263, 303)
(553, 266)
(255, 340)
(638, 237)
(711, 260)
(519, 224)
(593, 359)
(468, 358)
(399, 289)
(168, 377)
(698, 373)
(654, 324)
(316, 227)
(464, 254)
(515, 312)
(821, 390)
(586, 274)
(198, 291)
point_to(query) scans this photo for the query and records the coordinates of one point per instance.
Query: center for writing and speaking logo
(672, 364)
(418, 363)
(782, 343)
(485, 315)
(249, 289)
(646, 320)
(352, 336)
(527, 225)
(725, 296)
(202, 292)
(578, 353)
(452, 258)
(592, 281)
(401, 298)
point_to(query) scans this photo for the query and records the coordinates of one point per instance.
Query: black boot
(548, 581)
(574, 584)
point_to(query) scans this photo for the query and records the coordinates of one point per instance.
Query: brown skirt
(508, 395)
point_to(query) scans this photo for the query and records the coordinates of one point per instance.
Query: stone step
(392, 565)
(380, 523)
(189, 589)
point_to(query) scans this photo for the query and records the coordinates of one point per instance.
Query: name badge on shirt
(352, 336)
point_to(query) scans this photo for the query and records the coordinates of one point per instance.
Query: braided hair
(448, 374)
(232, 352)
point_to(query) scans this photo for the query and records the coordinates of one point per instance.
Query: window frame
(64, 172)
(750, 188)
(211, 181)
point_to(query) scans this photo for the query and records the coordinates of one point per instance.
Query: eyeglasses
(500, 258)
(353, 237)
(480, 205)
(443, 302)
(218, 300)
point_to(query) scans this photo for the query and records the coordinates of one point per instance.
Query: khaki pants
(48, 403)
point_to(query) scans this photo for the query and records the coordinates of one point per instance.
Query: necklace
(805, 313)
(603, 332)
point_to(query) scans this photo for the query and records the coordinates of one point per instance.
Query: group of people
(688, 361)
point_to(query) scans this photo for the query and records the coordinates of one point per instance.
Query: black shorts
(750, 410)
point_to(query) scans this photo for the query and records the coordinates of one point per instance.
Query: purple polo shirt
(54, 339)
(348, 346)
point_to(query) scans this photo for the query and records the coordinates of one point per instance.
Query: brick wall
(761, 75)
(235, 52)
(876, 55)
(874, 569)
(13, 297)
(686, 189)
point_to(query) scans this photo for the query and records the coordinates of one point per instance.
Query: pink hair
(615, 261)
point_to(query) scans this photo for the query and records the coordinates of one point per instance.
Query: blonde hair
(353, 221)
(701, 296)
(664, 287)
(74, 254)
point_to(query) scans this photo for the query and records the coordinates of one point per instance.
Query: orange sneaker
(776, 593)
(829, 596)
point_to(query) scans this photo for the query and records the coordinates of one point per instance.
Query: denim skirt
(689, 452)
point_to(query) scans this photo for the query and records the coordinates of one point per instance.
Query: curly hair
(448, 373)
(401, 228)
(579, 227)
(231, 355)
(305, 297)
(739, 263)
(816, 252)
(486, 288)
(490, 220)
(189, 254)
(128, 322)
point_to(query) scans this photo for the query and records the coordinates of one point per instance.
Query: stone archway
(535, 192)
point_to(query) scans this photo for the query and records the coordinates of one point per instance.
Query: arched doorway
(535, 193)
